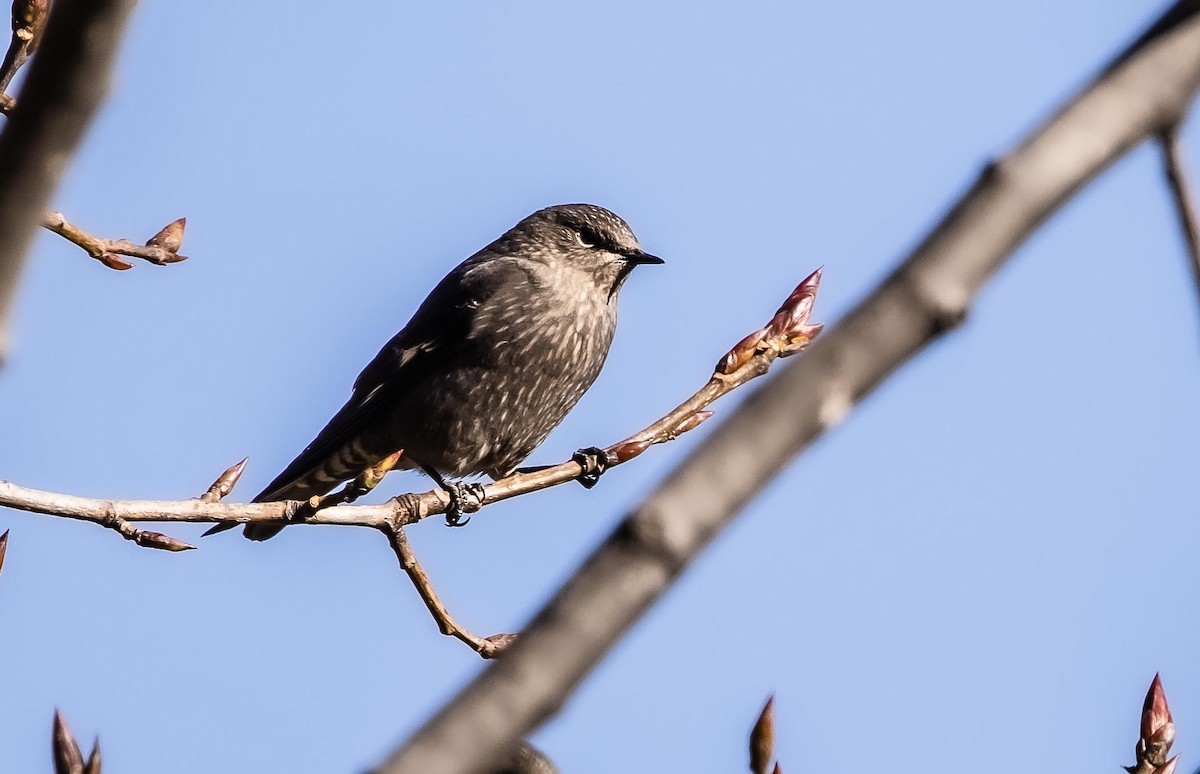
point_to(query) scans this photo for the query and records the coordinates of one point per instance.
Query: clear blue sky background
(982, 568)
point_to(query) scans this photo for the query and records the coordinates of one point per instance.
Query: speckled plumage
(491, 362)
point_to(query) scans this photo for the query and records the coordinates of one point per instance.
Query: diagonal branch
(488, 647)
(1181, 192)
(67, 81)
(1147, 88)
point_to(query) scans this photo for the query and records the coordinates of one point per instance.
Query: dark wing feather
(440, 328)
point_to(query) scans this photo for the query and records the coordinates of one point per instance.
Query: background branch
(1181, 193)
(1146, 89)
(66, 83)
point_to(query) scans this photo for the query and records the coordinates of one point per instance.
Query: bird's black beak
(640, 257)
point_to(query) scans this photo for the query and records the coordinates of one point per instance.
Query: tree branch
(160, 249)
(67, 81)
(488, 647)
(788, 332)
(1181, 192)
(1145, 90)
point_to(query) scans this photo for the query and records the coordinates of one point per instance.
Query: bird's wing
(437, 332)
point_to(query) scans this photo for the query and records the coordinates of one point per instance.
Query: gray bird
(491, 362)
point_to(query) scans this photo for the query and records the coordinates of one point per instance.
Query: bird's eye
(587, 237)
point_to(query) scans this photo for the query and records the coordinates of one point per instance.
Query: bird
(491, 362)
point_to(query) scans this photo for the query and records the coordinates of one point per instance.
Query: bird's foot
(464, 499)
(594, 462)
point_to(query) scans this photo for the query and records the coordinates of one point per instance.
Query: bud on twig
(225, 482)
(67, 757)
(624, 452)
(170, 237)
(159, 540)
(113, 261)
(3, 547)
(762, 739)
(93, 761)
(786, 334)
(690, 422)
(29, 21)
(497, 643)
(372, 476)
(1157, 734)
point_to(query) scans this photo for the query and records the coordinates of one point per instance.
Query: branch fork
(787, 332)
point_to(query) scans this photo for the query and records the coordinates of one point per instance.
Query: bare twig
(28, 24)
(1157, 735)
(488, 647)
(225, 482)
(1146, 88)
(1181, 192)
(66, 83)
(161, 249)
(788, 332)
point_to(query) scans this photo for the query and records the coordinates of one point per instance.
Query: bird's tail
(345, 463)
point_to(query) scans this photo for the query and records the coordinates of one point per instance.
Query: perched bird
(491, 362)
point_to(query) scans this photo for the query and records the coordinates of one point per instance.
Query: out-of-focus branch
(525, 759)
(67, 81)
(788, 332)
(762, 740)
(28, 24)
(68, 759)
(1181, 192)
(1156, 736)
(160, 249)
(1145, 90)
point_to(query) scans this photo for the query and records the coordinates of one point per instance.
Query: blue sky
(985, 564)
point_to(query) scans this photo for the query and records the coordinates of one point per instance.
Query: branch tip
(67, 757)
(762, 738)
(225, 482)
(170, 237)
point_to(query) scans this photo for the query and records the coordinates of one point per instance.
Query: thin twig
(788, 332)
(161, 249)
(488, 647)
(1181, 192)
(28, 24)
(1148, 87)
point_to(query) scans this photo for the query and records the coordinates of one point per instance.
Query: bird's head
(587, 238)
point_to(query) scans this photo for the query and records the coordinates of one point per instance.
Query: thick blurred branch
(67, 81)
(1181, 192)
(1146, 89)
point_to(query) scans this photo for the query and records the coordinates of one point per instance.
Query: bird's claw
(594, 462)
(464, 499)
